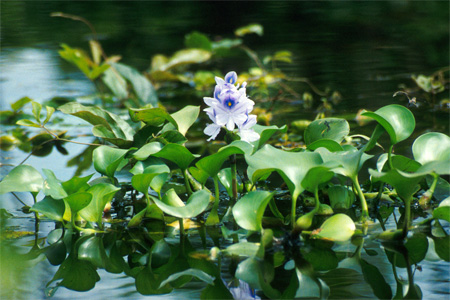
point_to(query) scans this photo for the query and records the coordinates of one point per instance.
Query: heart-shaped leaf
(398, 121)
(211, 164)
(102, 194)
(249, 210)
(177, 154)
(265, 133)
(23, 178)
(185, 117)
(292, 166)
(443, 210)
(328, 128)
(172, 205)
(431, 146)
(405, 184)
(107, 159)
(78, 201)
(51, 208)
(53, 186)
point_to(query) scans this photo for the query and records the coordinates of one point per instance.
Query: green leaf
(151, 116)
(116, 83)
(443, 210)
(177, 154)
(53, 186)
(338, 228)
(416, 248)
(249, 210)
(317, 176)
(341, 197)
(265, 133)
(252, 271)
(269, 159)
(77, 275)
(197, 40)
(148, 149)
(51, 208)
(37, 107)
(172, 205)
(242, 249)
(23, 178)
(224, 177)
(405, 184)
(20, 103)
(185, 57)
(251, 28)
(141, 85)
(399, 162)
(185, 117)
(78, 201)
(107, 159)
(50, 110)
(331, 145)
(76, 184)
(211, 164)
(91, 249)
(431, 146)
(102, 193)
(321, 259)
(328, 128)
(77, 57)
(29, 123)
(191, 273)
(376, 280)
(350, 161)
(98, 116)
(442, 247)
(141, 182)
(397, 120)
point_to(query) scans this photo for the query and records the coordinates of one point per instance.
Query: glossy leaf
(185, 117)
(317, 176)
(53, 186)
(172, 205)
(177, 154)
(242, 249)
(102, 194)
(249, 210)
(113, 124)
(151, 116)
(431, 146)
(265, 133)
(141, 85)
(77, 275)
(51, 208)
(107, 159)
(211, 164)
(416, 249)
(251, 28)
(91, 249)
(331, 145)
(287, 164)
(148, 149)
(328, 128)
(225, 178)
(405, 184)
(191, 273)
(443, 210)
(78, 201)
(76, 184)
(398, 121)
(350, 161)
(337, 228)
(141, 182)
(23, 178)
(116, 83)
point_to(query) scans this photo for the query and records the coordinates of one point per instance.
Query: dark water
(365, 50)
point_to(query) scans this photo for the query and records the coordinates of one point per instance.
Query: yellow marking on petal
(229, 103)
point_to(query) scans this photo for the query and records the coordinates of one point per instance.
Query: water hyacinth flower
(230, 107)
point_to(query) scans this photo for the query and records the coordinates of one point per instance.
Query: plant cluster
(235, 197)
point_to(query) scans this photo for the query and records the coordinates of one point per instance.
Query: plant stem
(293, 209)
(186, 182)
(364, 209)
(233, 179)
(407, 217)
(390, 156)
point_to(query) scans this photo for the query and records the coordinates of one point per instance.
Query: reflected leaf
(442, 247)
(91, 249)
(416, 249)
(191, 273)
(341, 197)
(376, 280)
